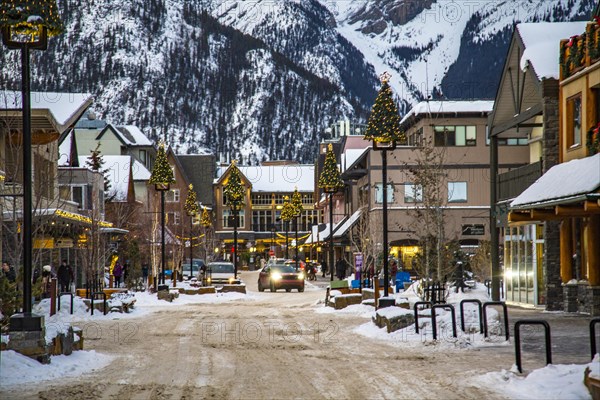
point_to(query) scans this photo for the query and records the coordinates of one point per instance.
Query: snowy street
(277, 345)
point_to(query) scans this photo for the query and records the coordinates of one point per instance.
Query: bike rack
(416, 306)
(104, 298)
(518, 325)
(433, 319)
(593, 323)
(495, 303)
(70, 294)
(462, 313)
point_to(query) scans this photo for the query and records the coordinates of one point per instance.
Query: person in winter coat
(117, 273)
(340, 268)
(65, 275)
(8, 272)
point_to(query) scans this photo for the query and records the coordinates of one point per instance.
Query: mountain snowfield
(262, 79)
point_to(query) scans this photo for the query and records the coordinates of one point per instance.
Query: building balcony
(580, 52)
(514, 182)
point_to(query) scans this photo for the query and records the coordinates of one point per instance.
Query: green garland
(297, 203)
(287, 211)
(384, 121)
(205, 219)
(593, 140)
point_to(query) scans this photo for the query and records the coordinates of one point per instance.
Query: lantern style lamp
(25, 26)
(331, 182)
(161, 178)
(383, 129)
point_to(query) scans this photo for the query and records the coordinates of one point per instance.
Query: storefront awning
(350, 222)
(324, 234)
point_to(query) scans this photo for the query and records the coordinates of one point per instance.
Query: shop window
(413, 193)
(379, 193)
(457, 192)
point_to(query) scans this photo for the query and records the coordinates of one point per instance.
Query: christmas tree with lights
(297, 202)
(384, 121)
(191, 201)
(205, 219)
(162, 174)
(330, 179)
(233, 190)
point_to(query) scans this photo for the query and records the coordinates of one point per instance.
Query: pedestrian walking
(324, 268)
(340, 269)
(65, 276)
(117, 273)
(8, 272)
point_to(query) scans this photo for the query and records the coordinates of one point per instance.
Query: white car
(221, 273)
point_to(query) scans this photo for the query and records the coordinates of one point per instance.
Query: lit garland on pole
(287, 211)
(162, 174)
(384, 121)
(234, 190)
(297, 203)
(205, 219)
(330, 179)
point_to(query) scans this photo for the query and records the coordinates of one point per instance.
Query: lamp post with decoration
(331, 182)
(25, 26)
(235, 194)
(383, 129)
(287, 213)
(191, 209)
(298, 209)
(161, 178)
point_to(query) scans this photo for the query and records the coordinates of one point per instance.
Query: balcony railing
(579, 52)
(514, 182)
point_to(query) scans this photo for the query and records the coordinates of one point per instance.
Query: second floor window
(173, 218)
(173, 196)
(228, 221)
(263, 199)
(457, 192)
(262, 220)
(379, 193)
(574, 121)
(449, 136)
(413, 193)
(416, 138)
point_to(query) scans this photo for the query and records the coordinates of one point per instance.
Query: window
(144, 157)
(261, 199)
(77, 196)
(413, 193)
(379, 193)
(416, 138)
(173, 196)
(262, 220)
(307, 199)
(457, 192)
(228, 220)
(174, 218)
(506, 142)
(574, 121)
(279, 198)
(449, 136)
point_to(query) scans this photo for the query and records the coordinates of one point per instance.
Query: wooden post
(566, 250)
(174, 278)
(111, 278)
(593, 250)
(53, 296)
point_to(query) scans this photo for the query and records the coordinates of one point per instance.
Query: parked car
(221, 273)
(197, 264)
(280, 276)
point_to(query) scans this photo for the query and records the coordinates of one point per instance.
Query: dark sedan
(280, 276)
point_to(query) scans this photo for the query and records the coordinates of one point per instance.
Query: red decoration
(571, 41)
(597, 19)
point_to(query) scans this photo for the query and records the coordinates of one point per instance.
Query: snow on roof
(324, 234)
(140, 172)
(278, 178)
(436, 107)
(576, 177)
(62, 106)
(542, 40)
(117, 173)
(348, 224)
(64, 150)
(350, 156)
(133, 135)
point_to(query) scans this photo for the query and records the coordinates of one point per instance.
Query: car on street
(221, 273)
(197, 265)
(280, 276)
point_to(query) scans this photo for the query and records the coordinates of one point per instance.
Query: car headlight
(231, 280)
(208, 280)
(276, 276)
(301, 276)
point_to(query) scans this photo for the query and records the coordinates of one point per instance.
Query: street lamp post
(287, 213)
(191, 209)
(161, 178)
(26, 25)
(331, 182)
(235, 193)
(298, 209)
(384, 130)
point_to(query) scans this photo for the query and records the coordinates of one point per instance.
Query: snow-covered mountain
(262, 79)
